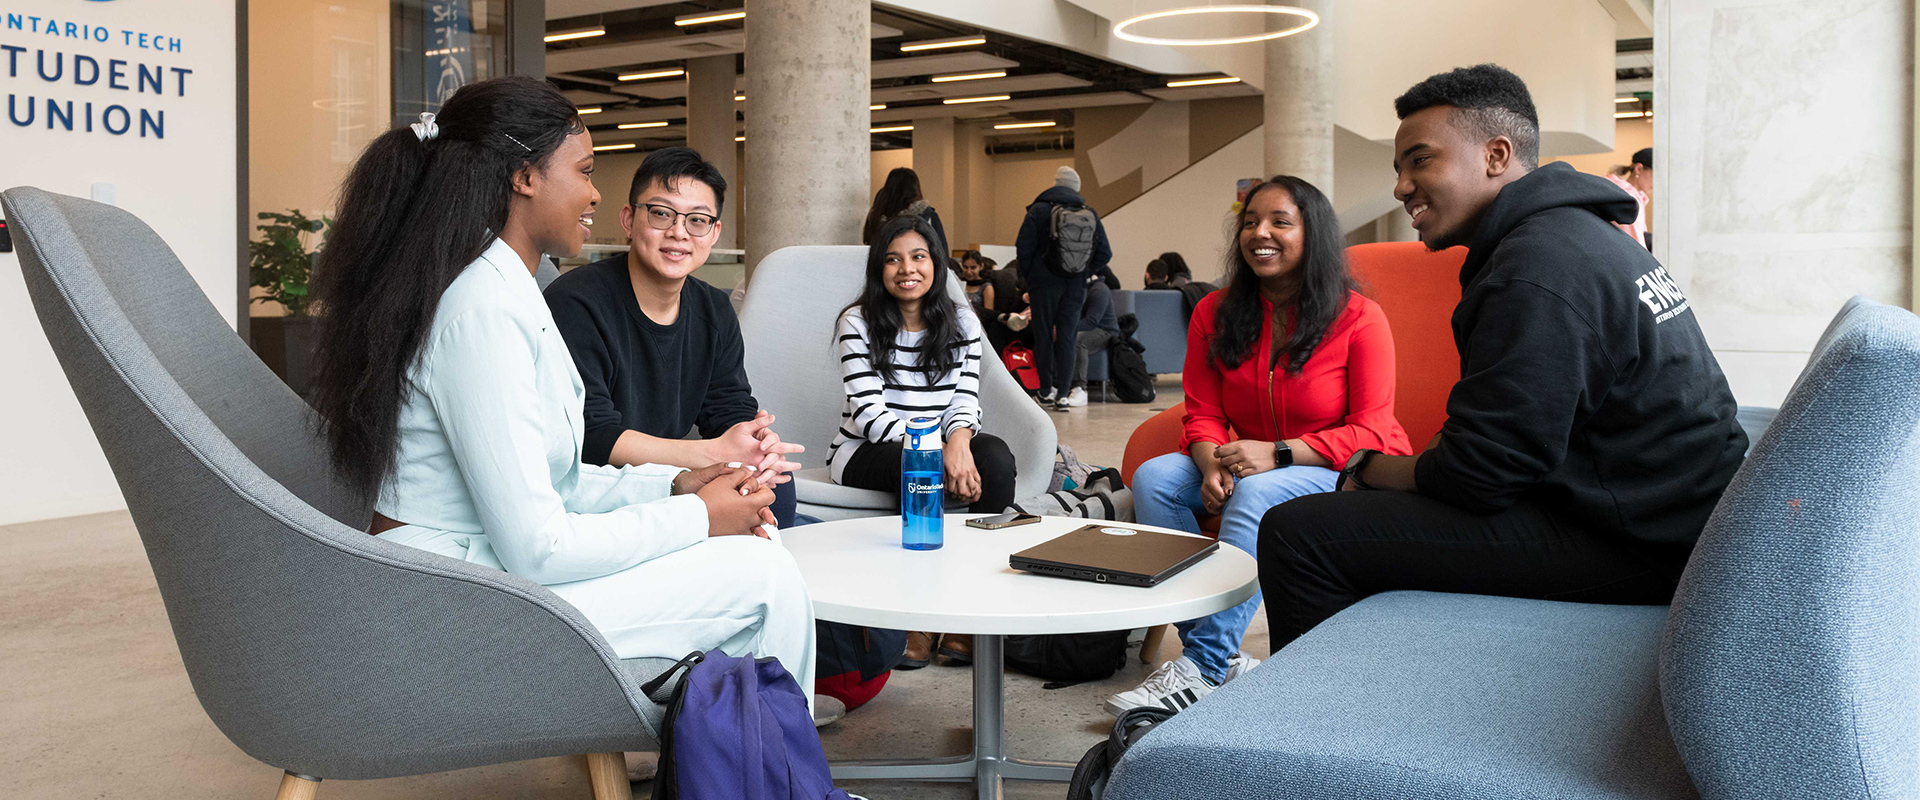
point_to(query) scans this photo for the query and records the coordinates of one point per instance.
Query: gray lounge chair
(316, 648)
(1788, 665)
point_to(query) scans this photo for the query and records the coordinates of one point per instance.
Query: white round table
(858, 573)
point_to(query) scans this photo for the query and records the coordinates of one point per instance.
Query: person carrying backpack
(1061, 242)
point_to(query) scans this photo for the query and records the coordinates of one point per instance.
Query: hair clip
(523, 145)
(425, 128)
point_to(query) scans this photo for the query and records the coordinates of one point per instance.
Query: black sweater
(1586, 385)
(660, 380)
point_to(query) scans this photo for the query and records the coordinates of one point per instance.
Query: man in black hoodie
(1057, 299)
(1591, 431)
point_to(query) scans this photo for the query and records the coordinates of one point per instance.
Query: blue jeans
(1166, 493)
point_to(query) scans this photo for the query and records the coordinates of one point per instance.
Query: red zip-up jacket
(1340, 403)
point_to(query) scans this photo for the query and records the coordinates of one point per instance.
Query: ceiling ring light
(1309, 20)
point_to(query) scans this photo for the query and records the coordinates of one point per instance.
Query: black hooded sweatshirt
(1586, 386)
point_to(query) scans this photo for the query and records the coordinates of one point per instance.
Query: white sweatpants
(741, 594)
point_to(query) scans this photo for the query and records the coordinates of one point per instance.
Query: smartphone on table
(998, 521)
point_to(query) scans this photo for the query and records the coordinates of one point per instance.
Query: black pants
(876, 466)
(1323, 552)
(1057, 303)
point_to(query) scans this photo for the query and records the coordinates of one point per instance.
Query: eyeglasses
(661, 218)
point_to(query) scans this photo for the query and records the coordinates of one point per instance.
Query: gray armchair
(316, 648)
(792, 304)
(1787, 666)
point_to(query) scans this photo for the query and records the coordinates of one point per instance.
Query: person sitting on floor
(1591, 432)
(907, 351)
(445, 391)
(1295, 362)
(658, 350)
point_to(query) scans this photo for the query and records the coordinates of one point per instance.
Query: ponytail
(413, 213)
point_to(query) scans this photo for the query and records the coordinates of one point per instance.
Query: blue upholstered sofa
(1163, 329)
(1788, 665)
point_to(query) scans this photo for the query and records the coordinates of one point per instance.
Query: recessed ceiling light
(661, 73)
(739, 98)
(970, 76)
(954, 101)
(936, 44)
(891, 129)
(1014, 125)
(1201, 82)
(1619, 100)
(709, 16)
(632, 125)
(1631, 114)
(580, 33)
(739, 138)
(605, 147)
(877, 107)
(589, 110)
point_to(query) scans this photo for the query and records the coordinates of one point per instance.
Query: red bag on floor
(1019, 360)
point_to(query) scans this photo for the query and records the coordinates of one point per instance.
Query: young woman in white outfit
(444, 387)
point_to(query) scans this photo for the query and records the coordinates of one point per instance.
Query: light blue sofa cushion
(1424, 695)
(1791, 666)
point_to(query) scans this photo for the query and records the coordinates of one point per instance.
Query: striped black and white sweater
(877, 410)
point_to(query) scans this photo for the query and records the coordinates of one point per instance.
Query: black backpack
(1127, 374)
(1090, 775)
(1068, 658)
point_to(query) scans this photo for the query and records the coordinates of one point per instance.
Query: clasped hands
(739, 488)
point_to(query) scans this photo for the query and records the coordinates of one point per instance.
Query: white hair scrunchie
(425, 128)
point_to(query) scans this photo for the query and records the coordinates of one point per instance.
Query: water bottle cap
(923, 433)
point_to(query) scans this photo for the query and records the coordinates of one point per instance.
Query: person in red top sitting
(1289, 372)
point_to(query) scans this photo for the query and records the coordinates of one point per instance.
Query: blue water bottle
(923, 489)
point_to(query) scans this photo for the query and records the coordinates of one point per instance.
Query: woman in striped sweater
(907, 350)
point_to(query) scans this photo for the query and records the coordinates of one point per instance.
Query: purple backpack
(738, 729)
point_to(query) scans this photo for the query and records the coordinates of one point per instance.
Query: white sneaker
(1174, 686)
(1238, 665)
(1077, 397)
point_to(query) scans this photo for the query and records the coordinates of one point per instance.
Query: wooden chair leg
(607, 773)
(297, 787)
(1148, 648)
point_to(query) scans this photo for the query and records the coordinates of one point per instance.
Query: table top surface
(858, 573)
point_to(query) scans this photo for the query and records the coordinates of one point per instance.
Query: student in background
(444, 390)
(659, 350)
(901, 195)
(1636, 179)
(1099, 329)
(1056, 298)
(1299, 366)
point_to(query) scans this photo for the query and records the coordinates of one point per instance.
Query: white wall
(1187, 214)
(182, 184)
(1782, 170)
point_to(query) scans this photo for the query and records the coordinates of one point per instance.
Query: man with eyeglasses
(660, 351)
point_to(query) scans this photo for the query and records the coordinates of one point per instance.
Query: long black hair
(900, 191)
(1176, 265)
(940, 350)
(1324, 279)
(411, 216)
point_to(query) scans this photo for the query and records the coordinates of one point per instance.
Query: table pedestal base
(989, 764)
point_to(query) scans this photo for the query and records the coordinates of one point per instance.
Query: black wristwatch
(1282, 455)
(1356, 464)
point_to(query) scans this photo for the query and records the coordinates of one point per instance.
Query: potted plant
(281, 263)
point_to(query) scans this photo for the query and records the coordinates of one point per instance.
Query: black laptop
(1110, 553)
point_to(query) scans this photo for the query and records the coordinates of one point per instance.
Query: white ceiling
(671, 47)
(1017, 83)
(981, 110)
(916, 66)
(1205, 92)
(562, 9)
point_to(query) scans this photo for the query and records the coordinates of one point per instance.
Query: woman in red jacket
(1289, 371)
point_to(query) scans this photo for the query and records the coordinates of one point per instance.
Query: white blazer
(490, 434)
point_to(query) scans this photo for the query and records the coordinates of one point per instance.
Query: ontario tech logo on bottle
(927, 487)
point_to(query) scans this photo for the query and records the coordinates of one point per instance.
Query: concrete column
(710, 130)
(808, 150)
(1395, 226)
(1299, 101)
(933, 161)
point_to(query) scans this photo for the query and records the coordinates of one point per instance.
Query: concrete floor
(97, 704)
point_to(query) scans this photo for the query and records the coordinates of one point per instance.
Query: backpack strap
(666, 785)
